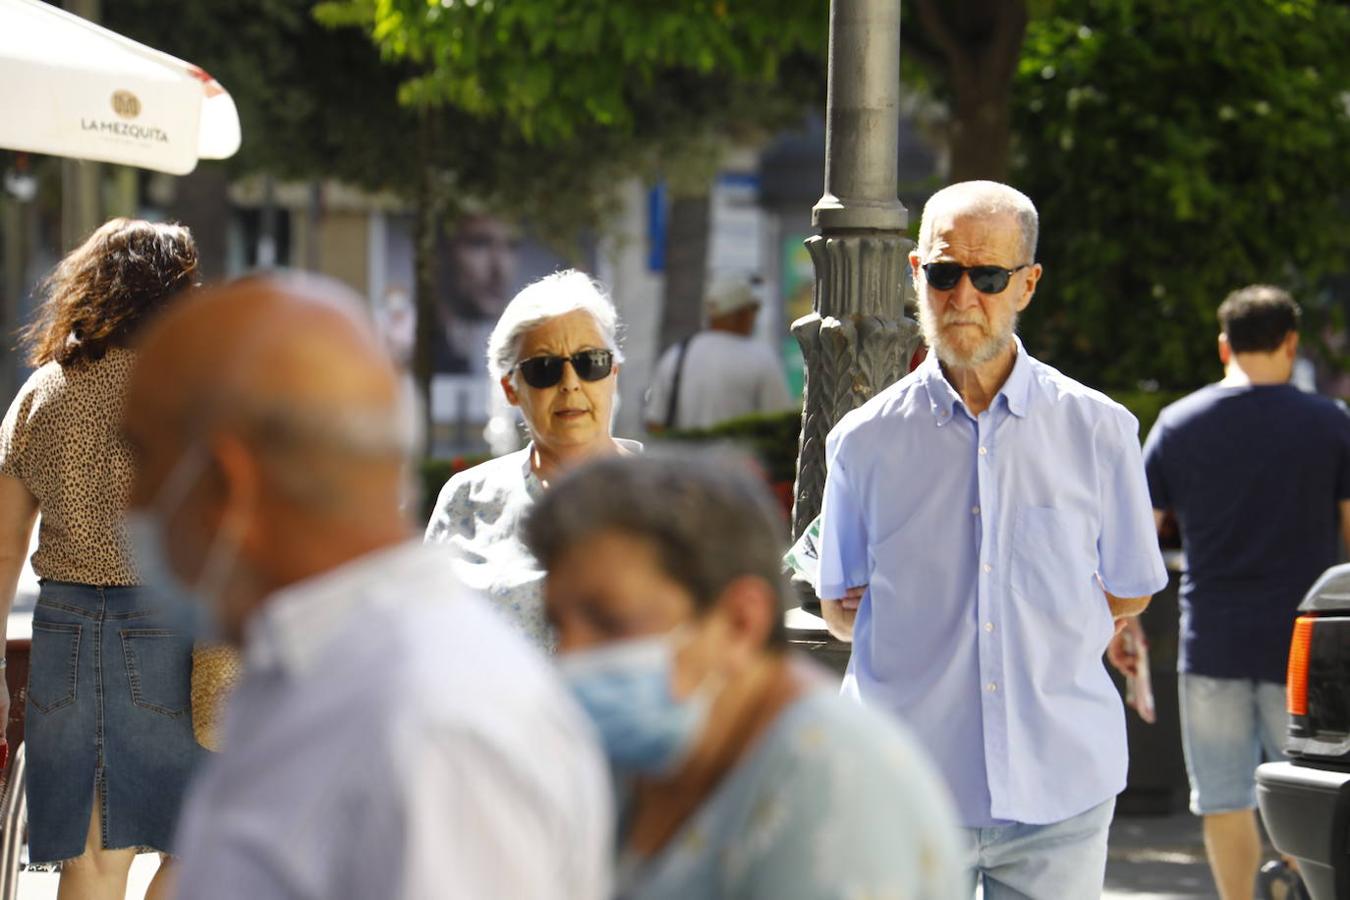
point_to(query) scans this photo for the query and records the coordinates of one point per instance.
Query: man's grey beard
(986, 352)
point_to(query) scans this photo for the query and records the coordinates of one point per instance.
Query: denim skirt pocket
(53, 673)
(159, 670)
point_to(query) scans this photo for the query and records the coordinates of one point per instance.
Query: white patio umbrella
(71, 88)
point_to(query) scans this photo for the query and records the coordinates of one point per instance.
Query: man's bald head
(289, 364)
(980, 199)
(271, 436)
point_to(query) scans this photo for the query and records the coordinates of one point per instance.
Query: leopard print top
(61, 439)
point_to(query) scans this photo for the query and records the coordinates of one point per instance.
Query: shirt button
(988, 626)
(991, 687)
(988, 568)
(984, 451)
(974, 510)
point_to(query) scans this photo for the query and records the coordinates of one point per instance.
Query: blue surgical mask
(144, 531)
(625, 688)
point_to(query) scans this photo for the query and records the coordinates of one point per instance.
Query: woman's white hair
(548, 298)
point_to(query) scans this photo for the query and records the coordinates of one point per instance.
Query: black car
(1306, 802)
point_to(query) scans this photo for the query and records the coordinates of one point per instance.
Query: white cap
(727, 295)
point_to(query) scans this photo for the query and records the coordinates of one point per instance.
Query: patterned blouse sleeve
(448, 510)
(14, 435)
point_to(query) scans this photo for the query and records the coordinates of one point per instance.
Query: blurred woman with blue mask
(740, 771)
(108, 724)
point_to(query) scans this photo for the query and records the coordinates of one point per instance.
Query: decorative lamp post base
(858, 342)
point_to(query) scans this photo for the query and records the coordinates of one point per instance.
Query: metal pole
(14, 235)
(862, 130)
(858, 340)
(81, 205)
(81, 187)
(13, 821)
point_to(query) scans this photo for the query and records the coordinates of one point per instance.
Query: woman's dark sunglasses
(986, 279)
(546, 371)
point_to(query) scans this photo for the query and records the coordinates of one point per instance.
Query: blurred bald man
(390, 737)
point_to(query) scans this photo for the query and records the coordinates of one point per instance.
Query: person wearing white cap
(721, 372)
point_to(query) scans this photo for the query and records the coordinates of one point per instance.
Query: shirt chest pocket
(1052, 559)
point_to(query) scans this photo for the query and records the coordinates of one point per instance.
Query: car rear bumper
(1306, 812)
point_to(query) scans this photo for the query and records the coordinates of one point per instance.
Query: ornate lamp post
(858, 340)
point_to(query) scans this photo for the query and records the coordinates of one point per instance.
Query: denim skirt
(108, 710)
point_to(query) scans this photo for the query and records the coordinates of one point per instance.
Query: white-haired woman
(555, 352)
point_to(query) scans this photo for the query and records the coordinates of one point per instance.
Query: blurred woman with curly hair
(108, 726)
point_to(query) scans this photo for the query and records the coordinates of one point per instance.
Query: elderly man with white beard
(985, 527)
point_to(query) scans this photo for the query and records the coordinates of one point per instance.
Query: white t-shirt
(725, 376)
(393, 737)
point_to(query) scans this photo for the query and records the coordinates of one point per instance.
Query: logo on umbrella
(126, 104)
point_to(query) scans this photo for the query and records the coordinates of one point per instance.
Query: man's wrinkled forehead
(961, 231)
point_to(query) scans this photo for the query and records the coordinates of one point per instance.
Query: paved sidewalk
(42, 885)
(1150, 858)
(1157, 858)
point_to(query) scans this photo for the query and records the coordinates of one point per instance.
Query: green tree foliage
(312, 103)
(966, 52)
(658, 90)
(537, 108)
(1179, 149)
(557, 68)
(553, 103)
(319, 102)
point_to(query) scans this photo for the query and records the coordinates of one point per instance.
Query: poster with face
(477, 276)
(481, 261)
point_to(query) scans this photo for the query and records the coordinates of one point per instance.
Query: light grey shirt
(724, 376)
(478, 518)
(392, 737)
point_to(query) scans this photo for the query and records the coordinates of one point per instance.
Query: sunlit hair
(106, 289)
(982, 198)
(1258, 318)
(548, 298)
(707, 516)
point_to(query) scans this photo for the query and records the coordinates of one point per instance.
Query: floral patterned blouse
(478, 517)
(835, 802)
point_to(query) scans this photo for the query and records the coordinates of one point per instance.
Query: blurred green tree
(1179, 149)
(556, 68)
(318, 103)
(966, 53)
(657, 89)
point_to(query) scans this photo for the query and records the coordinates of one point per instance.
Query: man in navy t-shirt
(1257, 474)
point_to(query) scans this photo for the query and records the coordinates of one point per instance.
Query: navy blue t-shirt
(1254, 475)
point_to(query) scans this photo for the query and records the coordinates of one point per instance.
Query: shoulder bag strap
(673, 406)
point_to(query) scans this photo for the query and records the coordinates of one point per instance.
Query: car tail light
(1299, 651)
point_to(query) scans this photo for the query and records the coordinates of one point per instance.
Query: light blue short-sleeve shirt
(832, 802)
(985, 543)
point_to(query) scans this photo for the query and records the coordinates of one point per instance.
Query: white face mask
(198, 603)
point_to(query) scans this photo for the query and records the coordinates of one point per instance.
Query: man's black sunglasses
(986, 279)
(546, 371)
